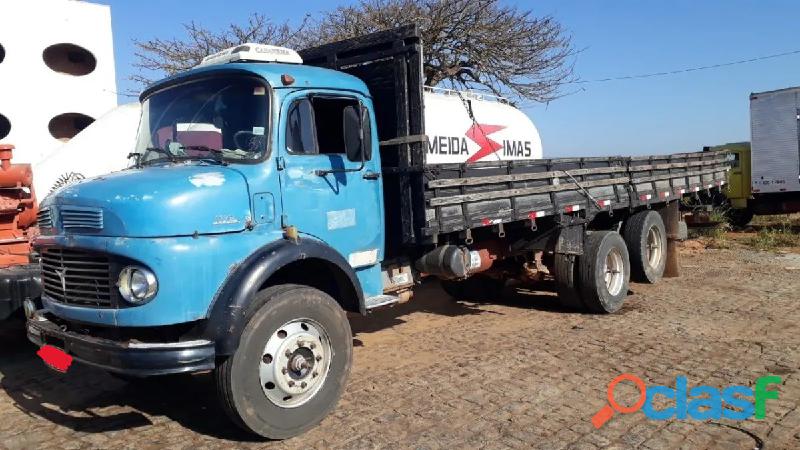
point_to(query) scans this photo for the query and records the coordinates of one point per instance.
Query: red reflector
(55, 358)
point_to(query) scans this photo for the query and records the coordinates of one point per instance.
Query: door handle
(371, 176)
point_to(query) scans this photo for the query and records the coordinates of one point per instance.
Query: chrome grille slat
(85, 271)
(79, 260)
(93, 281)
(86, 265)
(86, 277)
(92, 290)
(44, 218)
(92, 277)
(78, 277)
(93, 294)
(81, 217)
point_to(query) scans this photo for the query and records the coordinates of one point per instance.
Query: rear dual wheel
(292, 363)
(646, 239)
(740, 217)
(596, 281)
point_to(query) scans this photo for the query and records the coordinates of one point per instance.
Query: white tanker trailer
(471, 127)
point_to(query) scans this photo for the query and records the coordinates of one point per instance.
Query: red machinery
(19, 276)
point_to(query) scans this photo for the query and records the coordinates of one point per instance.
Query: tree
(159, 57)
(469, 44)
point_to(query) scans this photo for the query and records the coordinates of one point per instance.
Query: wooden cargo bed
(425, 201)
(460, 197)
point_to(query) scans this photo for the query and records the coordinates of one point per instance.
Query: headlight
(137, 284)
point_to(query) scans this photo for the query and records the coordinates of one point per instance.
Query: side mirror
(353, 134)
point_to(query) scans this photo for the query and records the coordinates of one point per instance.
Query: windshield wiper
(216, 153)
(160, 150)
(138, 158)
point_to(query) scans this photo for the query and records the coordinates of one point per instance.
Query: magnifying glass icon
(607, 412)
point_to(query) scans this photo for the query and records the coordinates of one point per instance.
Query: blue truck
(269, 198)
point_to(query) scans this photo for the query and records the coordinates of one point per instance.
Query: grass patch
(714, 237)
(768, 239)
(718, 215)
(775, 232)
(781, 221)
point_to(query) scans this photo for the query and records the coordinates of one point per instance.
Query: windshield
(220, 119)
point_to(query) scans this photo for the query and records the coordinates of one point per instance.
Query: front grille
(44, 219)
(77, 277)
(81, 217)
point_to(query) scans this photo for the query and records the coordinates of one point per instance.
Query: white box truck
(775, 148)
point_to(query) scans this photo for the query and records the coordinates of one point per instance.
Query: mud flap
(570, 240)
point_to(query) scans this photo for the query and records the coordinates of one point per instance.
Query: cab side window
(300, 133)
(316, 125)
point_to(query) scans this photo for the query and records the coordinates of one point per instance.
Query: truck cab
(247, 176)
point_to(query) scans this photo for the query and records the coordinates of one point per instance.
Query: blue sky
(618, 38)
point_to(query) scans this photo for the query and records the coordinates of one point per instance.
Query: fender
(229, 313)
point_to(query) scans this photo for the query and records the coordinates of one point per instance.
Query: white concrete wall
(101, 148)
(31, 93)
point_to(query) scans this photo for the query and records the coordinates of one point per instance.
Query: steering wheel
(239, 134)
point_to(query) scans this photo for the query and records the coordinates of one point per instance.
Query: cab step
(380, 300)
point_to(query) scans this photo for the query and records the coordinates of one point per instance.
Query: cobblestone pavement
(433, 373)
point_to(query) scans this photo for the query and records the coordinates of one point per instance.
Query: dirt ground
(512, 373)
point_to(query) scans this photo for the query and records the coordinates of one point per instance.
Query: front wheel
(292, 363)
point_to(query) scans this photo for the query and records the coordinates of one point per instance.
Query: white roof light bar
(253, 52)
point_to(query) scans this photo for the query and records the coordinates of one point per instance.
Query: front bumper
(17, 284)
(134, 358)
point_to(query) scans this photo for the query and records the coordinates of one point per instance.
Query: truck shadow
(89, 400)
(431, 299)
(428, 298)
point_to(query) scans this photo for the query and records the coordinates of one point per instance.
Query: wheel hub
(654, 247)
(295, 363)
(613, 272)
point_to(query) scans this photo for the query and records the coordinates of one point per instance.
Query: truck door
(325, 194)
(736, 181)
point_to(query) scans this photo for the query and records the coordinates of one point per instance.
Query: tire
(740, 218)
(565, 269)
(597, 293)
(646, 238)
(477, 287)
(292, 327)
